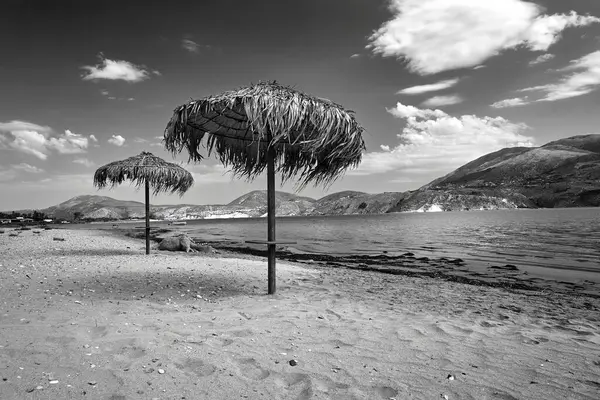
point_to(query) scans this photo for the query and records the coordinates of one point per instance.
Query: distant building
(48, 220)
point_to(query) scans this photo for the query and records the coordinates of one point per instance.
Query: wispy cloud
(542, 59)
(434, 142)
(93, 138)
(432, 87)
(117, 140)
(204, 174)
(583, 77)
(439, 101)
(85, 162)
(192, 46)
(517, 101)
(27, 168)
(36, 140)
(355, 55)
(117, 70)
(439, 35)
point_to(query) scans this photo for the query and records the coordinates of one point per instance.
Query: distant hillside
(563, 173)
(253, 204)
(350, 202)
(95, 207)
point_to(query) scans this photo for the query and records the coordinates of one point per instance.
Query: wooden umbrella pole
(147, 217)
(271, 218)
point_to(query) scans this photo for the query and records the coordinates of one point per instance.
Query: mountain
(563, 173)
(253, 204)
(95, 207)
(350, 202)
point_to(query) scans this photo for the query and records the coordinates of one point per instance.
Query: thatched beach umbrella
(270, 126)
(145, 170)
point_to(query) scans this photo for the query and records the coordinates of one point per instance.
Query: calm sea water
(544, 240)
(566, 239)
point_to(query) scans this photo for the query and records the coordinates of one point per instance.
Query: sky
(435, 83)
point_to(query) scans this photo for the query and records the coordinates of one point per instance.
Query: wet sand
(93, 317)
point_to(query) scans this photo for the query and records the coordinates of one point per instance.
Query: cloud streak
(27, 168)
(439, 101)
(517, 101)
(432, 87)
(582, 77)
(542, 59)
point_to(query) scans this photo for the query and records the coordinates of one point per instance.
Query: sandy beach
(93, 317)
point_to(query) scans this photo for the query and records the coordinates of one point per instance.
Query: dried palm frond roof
(161, 175)
(312, 137)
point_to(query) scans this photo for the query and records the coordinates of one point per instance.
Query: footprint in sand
(332, 315)
(196, 366)
(386, 392)
(299, 385)
(251, 370)
(97, 332)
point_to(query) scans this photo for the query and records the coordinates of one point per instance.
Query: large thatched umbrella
(145, 170)
(274, 127)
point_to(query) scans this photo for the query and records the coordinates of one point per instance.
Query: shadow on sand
(97, 252)
(155, 286)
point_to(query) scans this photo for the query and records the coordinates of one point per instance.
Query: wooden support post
(271, 218)
(147, 217)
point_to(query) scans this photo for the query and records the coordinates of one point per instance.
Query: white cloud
(542, 59)
(27, 168)
(355, 55)
(104, 92)
(435, 143)
(93, 138)
(193, 47)
(84, 161)
(35, 140)
(517, 101)
(438, 101)
(204, 174)
(116, 70)
(433, 87)
(69, 143)
(404, 111)
(117, 140)
(583, 79)
(439, 35)
(140, 140)
(546, 29)
(385, 147)
(190, 45)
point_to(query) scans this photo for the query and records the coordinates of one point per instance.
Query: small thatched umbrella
(274, 127)
(145, 170)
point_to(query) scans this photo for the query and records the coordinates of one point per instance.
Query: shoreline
(93, 316)
(499, 275)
